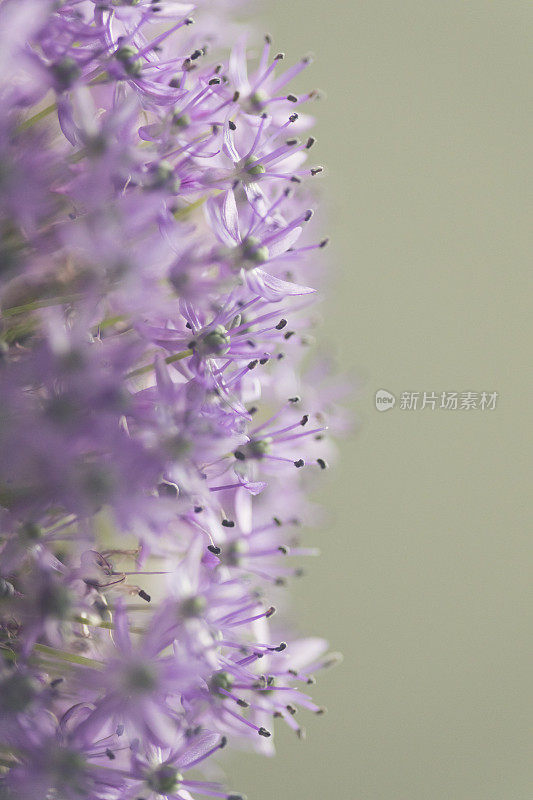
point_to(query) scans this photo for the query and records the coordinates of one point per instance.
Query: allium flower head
(158, 436)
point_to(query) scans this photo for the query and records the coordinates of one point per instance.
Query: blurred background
(425, 578)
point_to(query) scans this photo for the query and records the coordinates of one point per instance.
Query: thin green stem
(168, 360)
(102, 78)
(62, 655)
(186, 210)
(36, 304)
(76, 157)
(29, 123)
(84, 621)
(108, 322)
(62, 523)
(109, 626)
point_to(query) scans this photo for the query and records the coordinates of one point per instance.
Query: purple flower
(162, 772)
(265, 237)
(156, 247)
(134, 682)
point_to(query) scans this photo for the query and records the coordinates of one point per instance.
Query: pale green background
(425, 579)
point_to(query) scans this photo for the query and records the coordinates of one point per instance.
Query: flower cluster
(160, 423)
